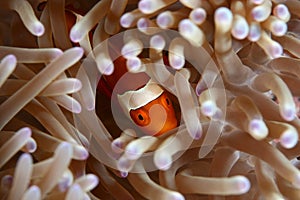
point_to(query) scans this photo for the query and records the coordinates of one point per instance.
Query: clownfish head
(142, 117)
(150, 108)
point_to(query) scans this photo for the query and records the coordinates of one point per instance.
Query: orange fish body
(141, 115)
(146, 99)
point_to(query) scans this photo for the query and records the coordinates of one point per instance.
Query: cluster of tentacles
(234, 76)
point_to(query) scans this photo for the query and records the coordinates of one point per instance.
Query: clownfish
(137, 103)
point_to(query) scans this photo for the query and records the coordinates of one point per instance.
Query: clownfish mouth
(156, 117)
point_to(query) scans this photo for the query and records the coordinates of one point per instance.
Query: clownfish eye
(140, 117)
(165, 101)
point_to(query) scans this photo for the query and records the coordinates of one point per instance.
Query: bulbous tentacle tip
(126, 20)
(258, 129)
(38, 29)
(76, 107)
(176, 196)
(65, 148)
(80, 152)
(162, 161)
(92, 180)
(75, 35)
(33, 192)
(145, 6)
(288, 113)
(78, 50)
(289, 139)
(157, 42)
(31, 145)
(243, 184)
(26, 132)
(10, 58)
(223, 15)
(276, 50)
(208, 108)
(177, 62)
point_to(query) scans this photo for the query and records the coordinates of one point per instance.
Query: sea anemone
(232, 69)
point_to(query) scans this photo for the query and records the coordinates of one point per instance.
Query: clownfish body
(137, 104)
